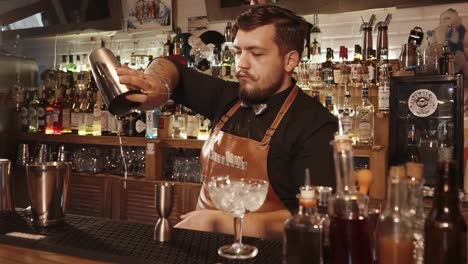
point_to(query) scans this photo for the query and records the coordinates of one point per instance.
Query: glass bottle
(330, 96)
(395, 243)
(32, 115)
(303, 231)
(384, 89)
(57, 112)
(228, 32)
(347, 115)
(417, 214)
(356, 63)
(49, 129)
(71, 66)
(41, 110)
(365, 118)
(97, 128)
(178, 123)
(327, 66)
(192, 125)
(140, 124)
(350, 238)
(446, 147)
(412, 151)
(152, 118)
(316, 40)
(445, 237)
(67, 102)
(323, 194)
(105, 117)
(75, 109)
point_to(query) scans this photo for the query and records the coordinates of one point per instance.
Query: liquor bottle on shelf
(140, 124)
(395, 243)
(83, 113)
(179, 123)
(75, 116)
(168, 47)
(365, 119)
(384, 89)
(57, 112)
(192, 125)
(412, 151)
(349, 226)
(41, 110)
(203, 127)
(347, 115)
(445, 237)
(71, 66)
(446, 146)
(32, 113)
(152, 118)
(63, 64)
(89, 117)
(330, 96)
(356, 63)
(327, 66)
(316, 40)
(105, 117)
(97, 127)
(228, 32)
(303, 231)
(78, 64)
(114, 124)
(49, 128)
(226, 66)
(67, 102)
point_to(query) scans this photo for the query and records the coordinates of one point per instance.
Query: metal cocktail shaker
(48, 186)
(6, 199)
(164, 202)
(104, 67)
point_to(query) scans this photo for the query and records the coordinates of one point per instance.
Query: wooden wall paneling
(89, 195)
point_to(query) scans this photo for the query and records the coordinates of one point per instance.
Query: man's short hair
(291, 30)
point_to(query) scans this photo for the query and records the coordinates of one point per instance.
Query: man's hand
(263, 224)
(139, 81)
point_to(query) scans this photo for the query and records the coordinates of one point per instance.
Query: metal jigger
(164, 201)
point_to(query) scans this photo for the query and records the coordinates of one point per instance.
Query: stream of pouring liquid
(122, 154)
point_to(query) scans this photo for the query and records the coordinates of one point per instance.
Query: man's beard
(256, 95)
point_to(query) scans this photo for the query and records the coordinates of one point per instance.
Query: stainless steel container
(47, 187)
(164, 201)
(6, 199)
(104, 67)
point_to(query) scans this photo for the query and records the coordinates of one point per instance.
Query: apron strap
(271, 130)
(226, 116)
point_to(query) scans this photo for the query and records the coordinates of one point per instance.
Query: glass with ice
(237, 196)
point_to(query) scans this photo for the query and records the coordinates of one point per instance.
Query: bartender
(275, 127)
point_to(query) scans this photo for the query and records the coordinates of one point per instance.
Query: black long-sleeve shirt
(302, 139)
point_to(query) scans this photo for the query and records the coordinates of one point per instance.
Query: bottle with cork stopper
(303, 231)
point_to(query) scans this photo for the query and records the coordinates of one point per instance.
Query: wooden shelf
(110, 140)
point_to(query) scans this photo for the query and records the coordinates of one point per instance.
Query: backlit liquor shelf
(111, 140)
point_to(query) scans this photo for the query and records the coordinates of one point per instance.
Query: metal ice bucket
(103, 65)
(47, 187)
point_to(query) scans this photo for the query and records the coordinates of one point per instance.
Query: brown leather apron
(220, 145)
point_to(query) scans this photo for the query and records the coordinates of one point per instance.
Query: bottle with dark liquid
(303, 231)
(395, 243)
(412, 152)
(323, 195)
(350, 238)
(445, 234)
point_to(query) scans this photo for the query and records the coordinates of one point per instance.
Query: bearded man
(265, 120)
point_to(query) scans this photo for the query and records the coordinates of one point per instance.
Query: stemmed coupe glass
(238, 197)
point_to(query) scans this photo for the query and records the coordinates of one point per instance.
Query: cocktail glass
(238, 197)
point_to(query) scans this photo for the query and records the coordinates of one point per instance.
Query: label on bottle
(364, 129)
(105, 120)
(371, 75)
(112, 122)
(422, 103)
(192, 126)
(140, 126)
(150, 126)
(384, 98)
(88, 120)
(66, 119)
(326, 72)
(337, 75)
(347, 123)
(75, 120)
(56, 115)
(24, 115)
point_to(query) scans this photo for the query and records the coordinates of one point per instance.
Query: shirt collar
(271, 102)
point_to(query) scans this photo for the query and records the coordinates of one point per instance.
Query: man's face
(259, 64)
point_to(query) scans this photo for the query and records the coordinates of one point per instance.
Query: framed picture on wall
(148, 15)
